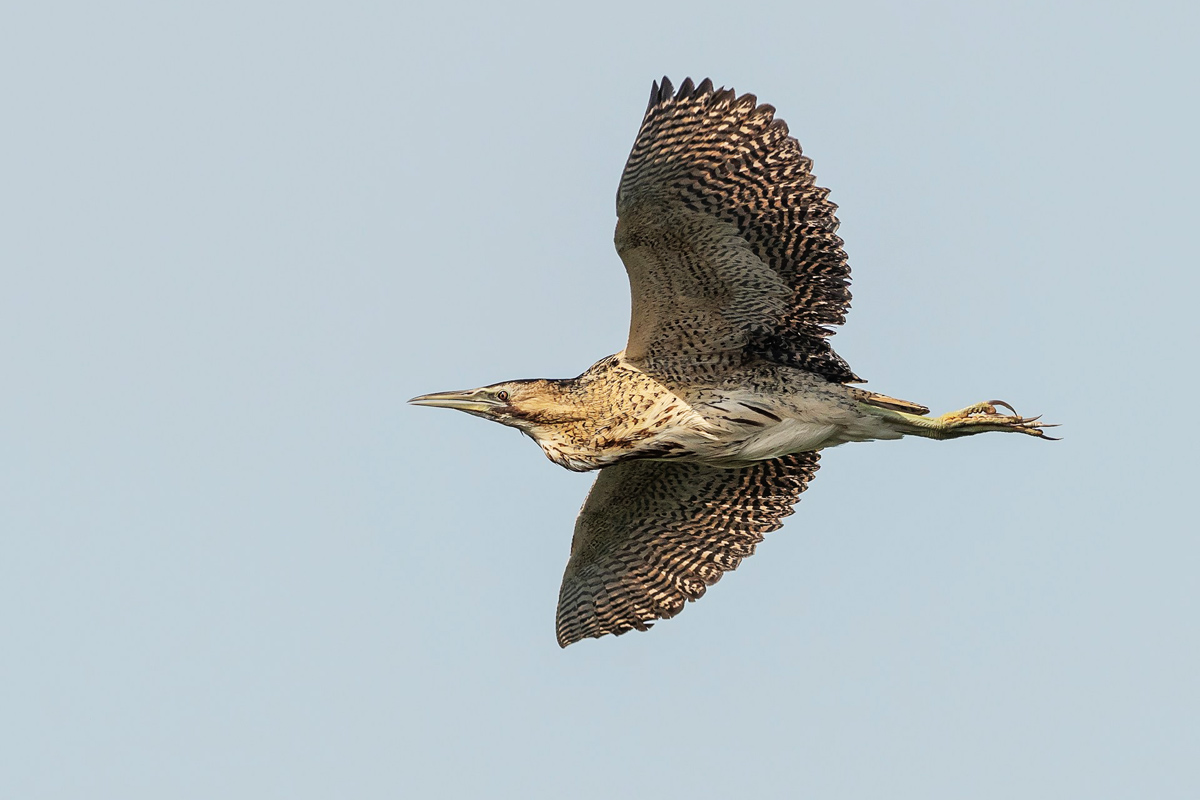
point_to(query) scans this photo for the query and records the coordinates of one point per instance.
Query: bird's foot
(983, 417)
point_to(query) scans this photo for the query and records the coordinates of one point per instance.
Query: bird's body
(707, 426)
(616, 412)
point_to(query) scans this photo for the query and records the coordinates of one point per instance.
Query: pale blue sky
(237, 237)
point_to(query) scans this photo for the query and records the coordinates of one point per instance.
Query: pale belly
(737, 437)
(788, 436)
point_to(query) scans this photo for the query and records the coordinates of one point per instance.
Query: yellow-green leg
(979, 418)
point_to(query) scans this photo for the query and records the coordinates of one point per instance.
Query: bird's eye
(502, 396)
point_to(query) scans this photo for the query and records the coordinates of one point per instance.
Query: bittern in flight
(708, 425)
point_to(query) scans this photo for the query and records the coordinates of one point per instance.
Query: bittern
(708, 425)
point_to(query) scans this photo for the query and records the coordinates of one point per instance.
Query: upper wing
(729, 244)
(654, 534)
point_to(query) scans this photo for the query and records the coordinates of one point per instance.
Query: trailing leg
(978, 418)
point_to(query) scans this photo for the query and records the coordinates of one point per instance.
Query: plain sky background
(235, 238)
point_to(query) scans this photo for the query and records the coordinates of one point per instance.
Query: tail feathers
(890, 403)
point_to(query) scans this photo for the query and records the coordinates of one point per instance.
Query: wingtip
(662, 91)
(666, 88)
(659, 91)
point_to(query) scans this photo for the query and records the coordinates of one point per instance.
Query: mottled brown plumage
(641, 522)
(715, 185)
(706, 426)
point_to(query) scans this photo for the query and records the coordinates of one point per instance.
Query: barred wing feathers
(729, 243)
(653, 535)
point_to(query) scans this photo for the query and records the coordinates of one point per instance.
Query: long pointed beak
(470, 401)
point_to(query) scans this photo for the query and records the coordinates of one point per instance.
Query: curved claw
(983, 417)
(1039, 430)
(1004, 405)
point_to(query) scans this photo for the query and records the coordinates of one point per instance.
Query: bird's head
(540, 408)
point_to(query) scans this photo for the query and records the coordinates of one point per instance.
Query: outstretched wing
(654, 534)
(729, 243)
